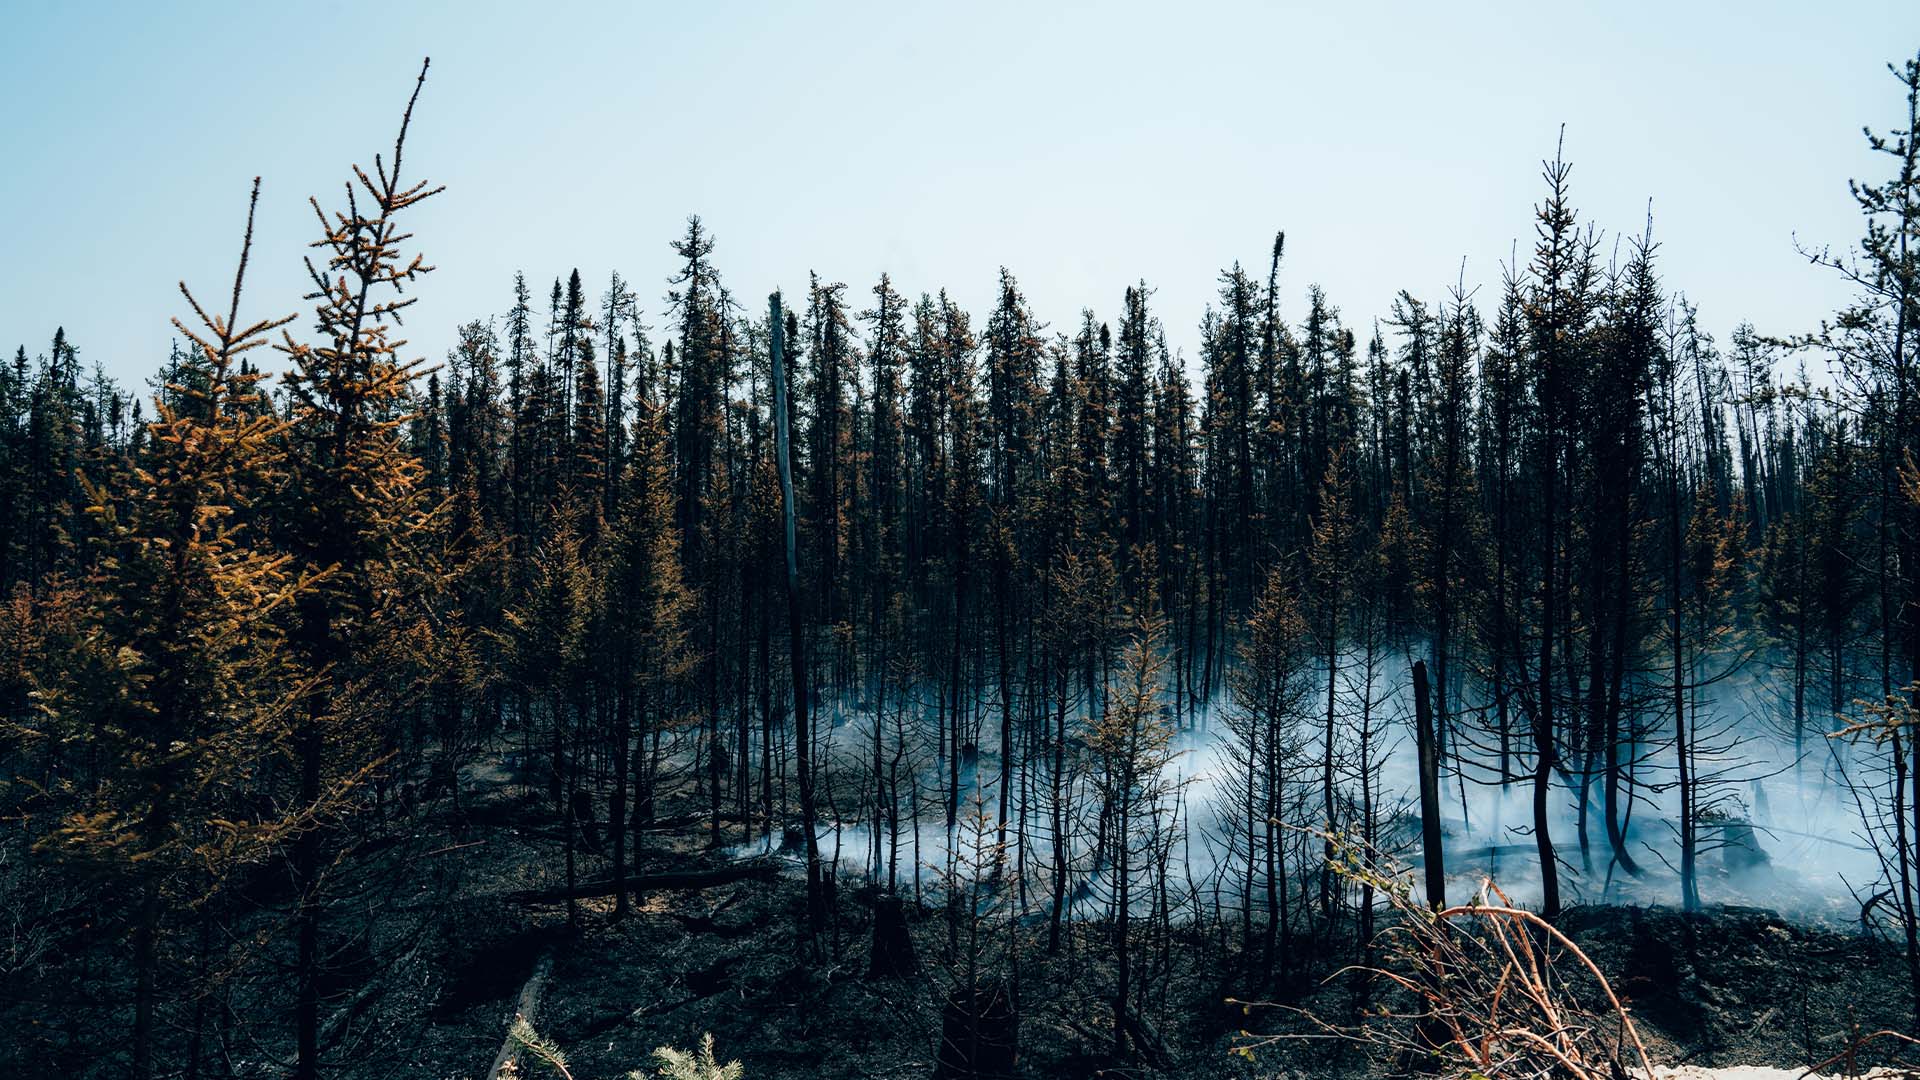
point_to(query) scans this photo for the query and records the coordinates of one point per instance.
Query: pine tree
(1132, 743)
(645, 612)
(1331, 559)
(1558, 318)
(1448, 485)
(1132, 435)
(181, 682)
(1270, 691)
(833, 369)
(353, 507)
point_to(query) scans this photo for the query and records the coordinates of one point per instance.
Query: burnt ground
(1721, 987)
(448, 940)
(1741, 985)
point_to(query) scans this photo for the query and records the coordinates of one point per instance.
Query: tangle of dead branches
(1483, 989)
(1849, 1059)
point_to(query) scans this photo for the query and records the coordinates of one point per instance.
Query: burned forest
(640, 677)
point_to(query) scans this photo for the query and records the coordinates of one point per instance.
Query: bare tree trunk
(803, 750)
(306, 874)
(1543, 733)
(144, 963)
(1430, 849)
(617, 801)
(1683, 750)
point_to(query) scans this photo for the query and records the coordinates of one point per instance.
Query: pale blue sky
(1082, 146)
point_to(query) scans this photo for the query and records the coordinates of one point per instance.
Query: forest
(846, 683)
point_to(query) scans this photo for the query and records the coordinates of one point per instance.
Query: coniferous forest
(1501, 682)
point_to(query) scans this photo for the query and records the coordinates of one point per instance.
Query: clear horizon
(1083, 149)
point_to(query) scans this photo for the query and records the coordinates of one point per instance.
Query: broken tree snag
(892, 946)
(1429, 790)
(523, 1007)
(759, 870)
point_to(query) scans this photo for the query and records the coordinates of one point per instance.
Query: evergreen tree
(353, 507)
(180, 683)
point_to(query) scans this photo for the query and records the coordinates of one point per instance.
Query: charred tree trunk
(1545, 757)
(803, 751)
(617, 801)
(1430, 847)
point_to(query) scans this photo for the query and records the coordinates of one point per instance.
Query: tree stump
(1740, 848)
(893, 954)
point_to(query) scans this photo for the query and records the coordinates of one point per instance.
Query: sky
(1083, 147)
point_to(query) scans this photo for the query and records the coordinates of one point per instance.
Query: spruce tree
(354, 508)
(181, 683)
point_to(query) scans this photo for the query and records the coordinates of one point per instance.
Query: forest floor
(1726, 987)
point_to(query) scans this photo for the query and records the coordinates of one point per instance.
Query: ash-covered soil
(1728, 986)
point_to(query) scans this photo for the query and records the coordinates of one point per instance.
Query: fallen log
(709, 923)
(757, 870)
(523, 1008)
(681, 821)
(715, 979)
(1147, 1040)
